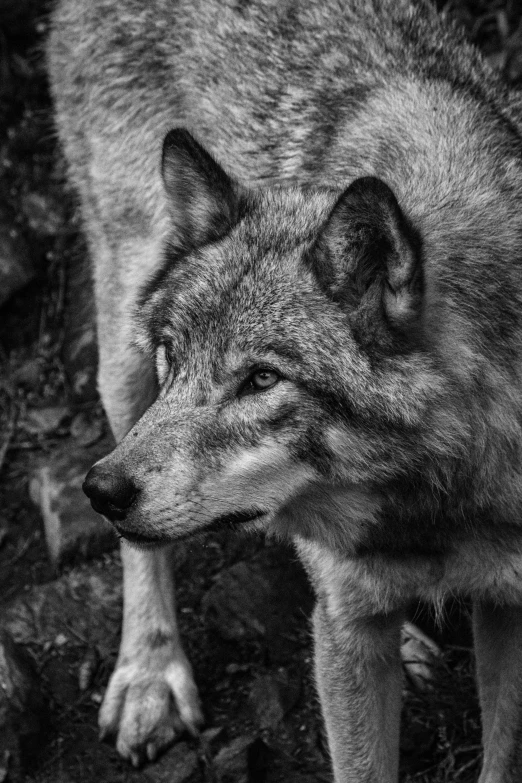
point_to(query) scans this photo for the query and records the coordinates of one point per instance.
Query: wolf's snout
(111, 494)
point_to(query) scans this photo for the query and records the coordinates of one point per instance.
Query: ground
(243, 603)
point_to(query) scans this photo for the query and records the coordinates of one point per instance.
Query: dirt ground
(262, 719)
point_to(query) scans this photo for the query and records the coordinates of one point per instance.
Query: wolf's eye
(259, 381)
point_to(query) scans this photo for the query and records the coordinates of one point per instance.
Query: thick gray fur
(389, 446)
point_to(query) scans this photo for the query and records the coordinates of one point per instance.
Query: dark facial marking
(259, 381)
(286, 416)
(234, 520)
(312, 450)
(158, 639)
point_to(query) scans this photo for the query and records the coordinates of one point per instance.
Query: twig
(78, 635)
(21, 552)
(465, 767)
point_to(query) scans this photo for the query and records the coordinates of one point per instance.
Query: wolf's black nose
(111, 494)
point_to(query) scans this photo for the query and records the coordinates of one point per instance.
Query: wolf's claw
(150, 701)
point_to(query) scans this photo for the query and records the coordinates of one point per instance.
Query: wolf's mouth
(235, 519)
(139, 538)
(232, 521)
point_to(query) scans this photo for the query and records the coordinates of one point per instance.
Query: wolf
(305, 222)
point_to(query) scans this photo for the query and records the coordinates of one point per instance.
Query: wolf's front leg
(359, 677)
(151, 695)
(498, 649)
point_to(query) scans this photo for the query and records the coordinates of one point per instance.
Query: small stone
(73, 530)
(87, 428)
(273, 695)
(210, 735)
(236, 668)
(29, 373)
(83, 384)
(44, 421)
(60, 640)
(41, 213)
(175, 766)
(231, 763)
(88, 668)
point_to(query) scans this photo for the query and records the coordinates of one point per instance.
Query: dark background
(243, 603)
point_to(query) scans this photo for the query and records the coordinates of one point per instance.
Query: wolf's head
(295, 375)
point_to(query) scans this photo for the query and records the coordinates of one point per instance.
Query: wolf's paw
(419, 656)
(150, 700)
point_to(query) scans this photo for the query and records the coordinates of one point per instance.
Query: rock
(83, 605)
(21, 708)
(73, 530)
(273, 695)
(18, 682)
(231, 763)
(234, 605)
(175, 766)
(210, 735)
(17, 267)
(258, 598)
(29, 373)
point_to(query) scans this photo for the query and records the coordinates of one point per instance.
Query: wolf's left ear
(368, 259)
(203, 199)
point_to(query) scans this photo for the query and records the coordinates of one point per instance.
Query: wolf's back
(269, 87)
(309, 94)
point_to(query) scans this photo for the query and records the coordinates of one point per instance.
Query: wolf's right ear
(203, 199)
(368, 259)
